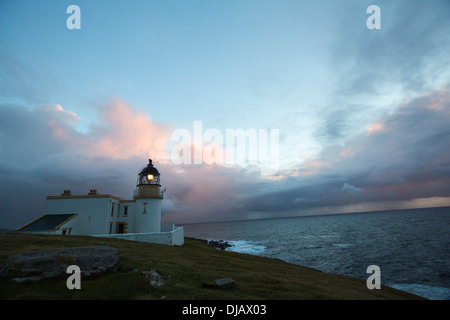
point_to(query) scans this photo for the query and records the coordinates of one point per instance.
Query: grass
(189, 270)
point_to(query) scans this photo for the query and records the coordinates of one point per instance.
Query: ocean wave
(343, 245)
(429, 292)
(312, 246)
(245, 246)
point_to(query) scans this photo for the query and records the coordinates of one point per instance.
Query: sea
(411, 247)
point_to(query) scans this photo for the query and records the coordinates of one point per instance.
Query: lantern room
(148, 175)
(148, 183)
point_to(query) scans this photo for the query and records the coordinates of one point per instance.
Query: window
(121, 226)
(66, 231)
(112, 209)
(125, 211)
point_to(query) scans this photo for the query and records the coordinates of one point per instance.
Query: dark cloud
(409, 51)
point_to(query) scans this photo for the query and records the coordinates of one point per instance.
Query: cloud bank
(401, 157)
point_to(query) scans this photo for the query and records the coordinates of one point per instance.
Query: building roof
(91, 196)
(47, 222)
(149, 169)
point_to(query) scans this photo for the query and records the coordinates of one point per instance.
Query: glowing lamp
(149, 175)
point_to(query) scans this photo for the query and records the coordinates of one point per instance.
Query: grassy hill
(189, 270)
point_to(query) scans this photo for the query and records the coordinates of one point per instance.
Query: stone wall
(174, 237)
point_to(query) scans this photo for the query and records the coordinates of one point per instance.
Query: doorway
(121, 227)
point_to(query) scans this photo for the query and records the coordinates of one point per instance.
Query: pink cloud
(124, 132)
(204, 192)
(120, 133)
(374, 127)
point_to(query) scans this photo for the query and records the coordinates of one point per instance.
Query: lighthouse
(148, 198)
(106, 215)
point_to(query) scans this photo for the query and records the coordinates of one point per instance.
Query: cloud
(408, 53)
(374, 127)
(398, 159)
(347, 187)
(207, 192)
(405, 157)
(42, 153)
(123, 131)
(375, 70)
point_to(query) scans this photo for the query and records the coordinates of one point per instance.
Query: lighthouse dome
(149, 169)
(148, 175)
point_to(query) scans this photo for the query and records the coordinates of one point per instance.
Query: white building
(106, 215)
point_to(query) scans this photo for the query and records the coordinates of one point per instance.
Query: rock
(25, 279)
(225, 283)
(221, 244)
(153, 277)
(36, 265)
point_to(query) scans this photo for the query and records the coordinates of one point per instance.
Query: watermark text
(259, 147)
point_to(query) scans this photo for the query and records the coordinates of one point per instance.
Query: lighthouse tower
(148, 198)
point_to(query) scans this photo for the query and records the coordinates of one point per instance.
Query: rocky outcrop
(37, 265)
(220, 244)
(153, 278)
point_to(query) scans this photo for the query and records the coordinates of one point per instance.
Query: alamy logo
(74, 20)
(74, 281)
(374, 21)
(240, 147)
(374, 281)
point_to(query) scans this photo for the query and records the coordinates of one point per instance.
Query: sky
(360, 117)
